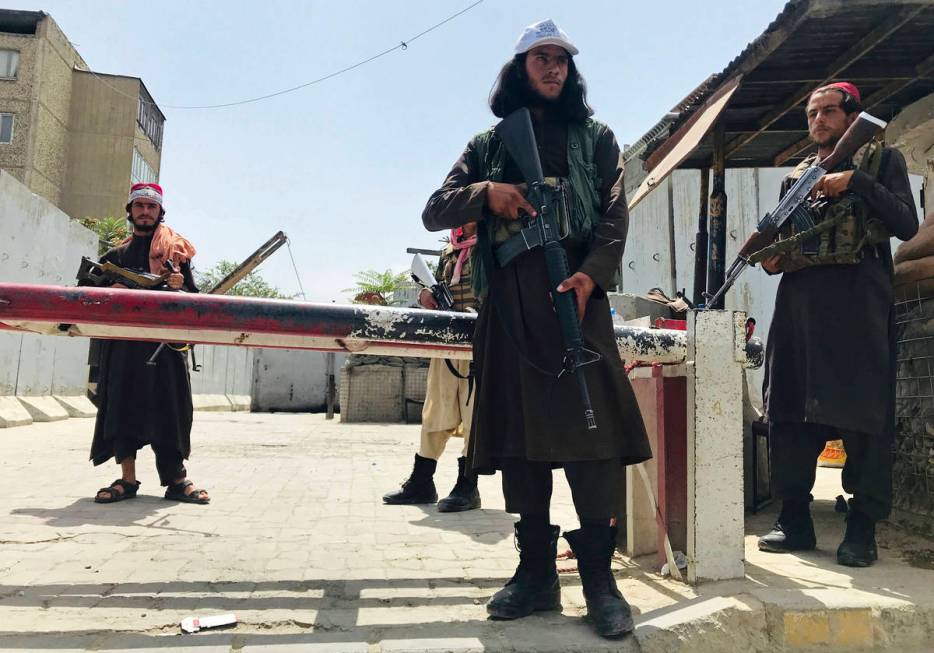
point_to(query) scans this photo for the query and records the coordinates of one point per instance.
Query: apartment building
(77, 137)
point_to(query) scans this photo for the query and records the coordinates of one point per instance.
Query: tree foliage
(111, 231)
(385, 288)
(252, 285)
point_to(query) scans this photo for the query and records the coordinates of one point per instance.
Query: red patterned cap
(146, 191)
(847, 87)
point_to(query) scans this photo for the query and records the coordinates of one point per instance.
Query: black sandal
(176, 492)
(129, 491)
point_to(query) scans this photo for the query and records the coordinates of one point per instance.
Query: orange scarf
(167, 246)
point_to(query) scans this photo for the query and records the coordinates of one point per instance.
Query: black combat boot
(858, 548)
(419, 487)
(607, 609)
(465, 495)
(793, 530)
(534, 586)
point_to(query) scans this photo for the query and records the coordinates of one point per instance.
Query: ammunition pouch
(843, 231)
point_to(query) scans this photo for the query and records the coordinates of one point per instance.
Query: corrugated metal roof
(885, 47)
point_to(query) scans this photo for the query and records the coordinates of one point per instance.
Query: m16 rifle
(793, 205)
(516, 133)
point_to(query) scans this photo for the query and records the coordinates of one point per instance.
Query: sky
(345, 166)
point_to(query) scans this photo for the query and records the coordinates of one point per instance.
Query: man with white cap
(140, 404)
(528, 417)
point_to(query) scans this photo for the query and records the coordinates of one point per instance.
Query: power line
(403, 45)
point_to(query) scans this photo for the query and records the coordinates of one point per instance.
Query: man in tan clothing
(448, 407)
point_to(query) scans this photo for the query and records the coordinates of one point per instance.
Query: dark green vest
(586, 210)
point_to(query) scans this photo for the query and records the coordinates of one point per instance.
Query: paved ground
(297, 543)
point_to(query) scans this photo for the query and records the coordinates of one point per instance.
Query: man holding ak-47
(829, 370)
(551, 390)
(144, 392)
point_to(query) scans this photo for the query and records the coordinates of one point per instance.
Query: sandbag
(914, 270)
(921, 245)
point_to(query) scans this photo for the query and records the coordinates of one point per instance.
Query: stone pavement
(297, 543)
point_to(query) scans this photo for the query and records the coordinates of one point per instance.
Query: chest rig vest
(843, 230)
(583, 209)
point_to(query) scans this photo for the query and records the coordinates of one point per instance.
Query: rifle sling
(468, 378)
(529, 238)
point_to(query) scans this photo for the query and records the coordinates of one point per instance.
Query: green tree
(383, 288)
(252, 285)
(110, 231)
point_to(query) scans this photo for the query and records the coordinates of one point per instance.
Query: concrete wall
(40, 244)
(292, 379)
(662, 230)
(103, 131)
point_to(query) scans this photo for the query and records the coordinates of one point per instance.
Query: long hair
(512, 91)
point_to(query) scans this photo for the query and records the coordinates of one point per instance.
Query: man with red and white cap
(140, 404)
(829, 371)
(527, 412)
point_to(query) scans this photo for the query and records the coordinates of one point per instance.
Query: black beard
(143, 228)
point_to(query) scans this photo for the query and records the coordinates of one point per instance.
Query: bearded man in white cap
(528, 416)
(140, 404)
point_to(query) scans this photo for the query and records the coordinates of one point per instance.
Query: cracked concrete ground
(297, 543)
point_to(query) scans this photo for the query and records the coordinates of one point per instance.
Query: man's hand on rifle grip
(583, 285)
(833, 184)
(427, 300)
(772, 263)
(175, 280)
(506, 200)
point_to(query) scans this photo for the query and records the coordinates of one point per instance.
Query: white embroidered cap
(544, 32)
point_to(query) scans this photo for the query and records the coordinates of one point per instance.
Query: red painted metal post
(671, 459)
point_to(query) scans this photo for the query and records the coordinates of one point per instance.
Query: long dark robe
(522, 408)
(830, 355)
(141, 404)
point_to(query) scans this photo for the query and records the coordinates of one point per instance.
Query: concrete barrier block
(210, 402)
(76, 405)
(240, 402)
(13, 413)
(43, 408)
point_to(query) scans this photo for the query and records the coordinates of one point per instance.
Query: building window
(149, 117)
(6, 128)
(142, 173)
(9, 62)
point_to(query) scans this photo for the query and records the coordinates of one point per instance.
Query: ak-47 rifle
(794, 204)
(93, 273)
(516, 133)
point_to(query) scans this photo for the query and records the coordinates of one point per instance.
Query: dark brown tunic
(141, 404)
(829, 356)
(523, 408)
